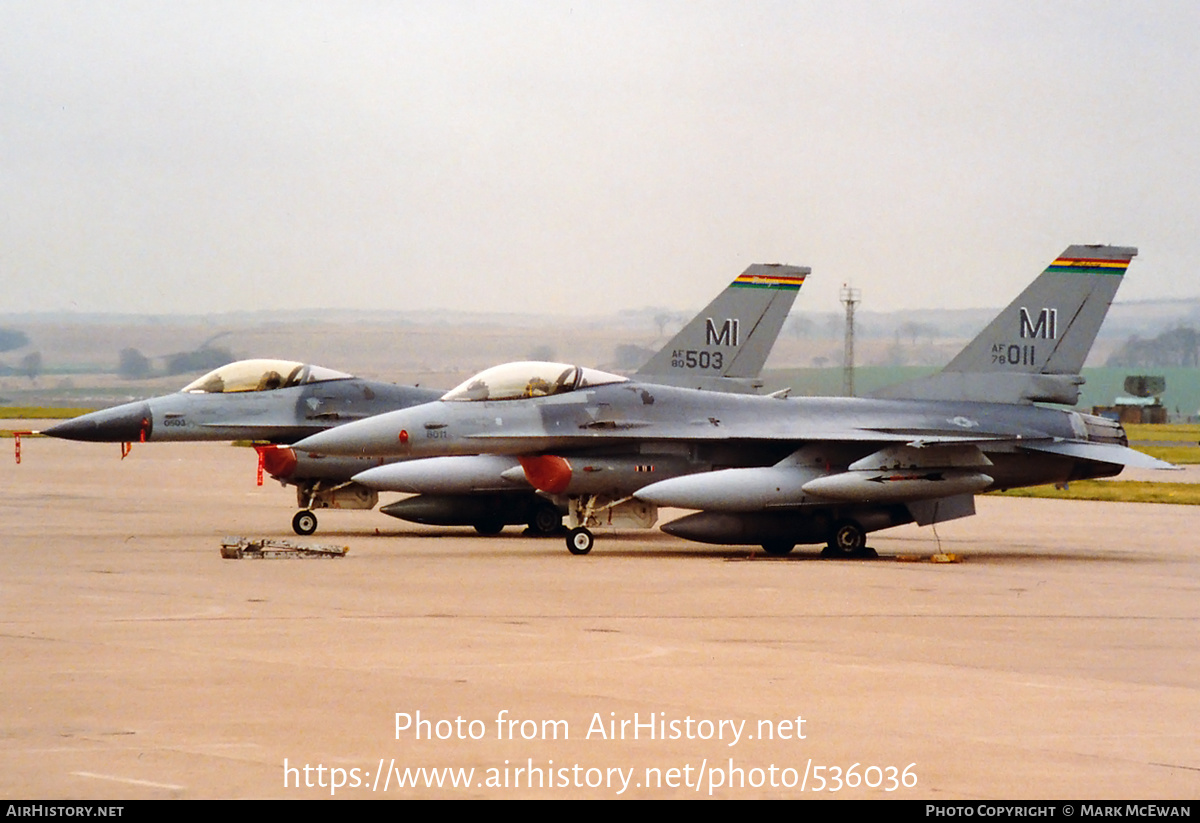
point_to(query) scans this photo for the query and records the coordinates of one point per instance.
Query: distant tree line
(133, 365)
(1177, 347)
(11, 339)
(28, 366)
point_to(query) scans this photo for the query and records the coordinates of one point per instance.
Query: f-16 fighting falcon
(779, 471)
(278, 402)
(271, 401)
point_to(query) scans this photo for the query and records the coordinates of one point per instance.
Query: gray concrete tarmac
(1061, 659)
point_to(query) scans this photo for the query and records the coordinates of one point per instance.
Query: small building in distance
(1145, 406)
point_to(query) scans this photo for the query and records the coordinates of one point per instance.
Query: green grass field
(19, 413)
(1116, 491)
(39, 412)
(1173, 442)
(1182, 432)
(1179, 455)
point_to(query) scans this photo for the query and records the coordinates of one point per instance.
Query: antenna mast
(850, 298)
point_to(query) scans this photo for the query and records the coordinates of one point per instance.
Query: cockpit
(261, 375)
(514, 381)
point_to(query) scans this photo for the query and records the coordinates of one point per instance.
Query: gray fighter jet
(271, 401)
(278, 402)
(776, 471)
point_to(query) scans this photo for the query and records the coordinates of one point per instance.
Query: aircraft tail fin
(725, 346)
(1034, 350)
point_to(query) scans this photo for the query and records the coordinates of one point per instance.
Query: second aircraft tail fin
(1034, 350)
(725, 346)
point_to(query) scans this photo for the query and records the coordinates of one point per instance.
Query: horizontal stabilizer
(1102, 453)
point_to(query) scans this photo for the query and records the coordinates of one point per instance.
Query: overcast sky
(575, 158)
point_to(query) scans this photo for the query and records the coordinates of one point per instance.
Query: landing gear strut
(603, 511)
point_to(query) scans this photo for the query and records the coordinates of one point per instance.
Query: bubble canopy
(514, 381)
(261, 375)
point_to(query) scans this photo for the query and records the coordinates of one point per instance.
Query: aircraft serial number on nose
(697, 358)
(437, 434)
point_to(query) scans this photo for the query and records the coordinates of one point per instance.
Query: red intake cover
(547, 473)
(278, 461)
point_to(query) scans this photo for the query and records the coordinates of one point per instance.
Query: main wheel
(579, 541)
(778, 548)
(305, 522)
(545, 521)
(489, 527)
(848, 539)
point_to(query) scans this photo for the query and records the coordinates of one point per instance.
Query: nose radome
(128, 423)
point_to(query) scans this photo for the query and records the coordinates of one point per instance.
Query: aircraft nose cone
(120, 424)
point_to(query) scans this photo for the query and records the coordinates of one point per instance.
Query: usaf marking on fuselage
(775, 471)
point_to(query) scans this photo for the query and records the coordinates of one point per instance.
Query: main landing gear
(304, 523)
(489, 527)
(545, 521)
(848, 539)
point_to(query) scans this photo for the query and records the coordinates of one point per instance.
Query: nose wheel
(579, 541)
(304, 523)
